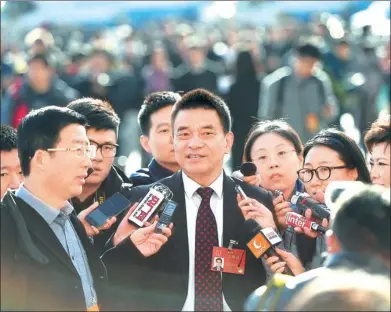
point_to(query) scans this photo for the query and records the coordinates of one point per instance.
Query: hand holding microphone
(281, 207)
(154, 201)
(305, 224)
(249, 171)
(145, 239)
(278, 263)
(262, 242)
(252, 209)
(298, 221)
(306, 230)
(311, 209)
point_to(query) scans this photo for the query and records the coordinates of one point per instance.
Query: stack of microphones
(262, 242)
(318, 211)
(156, 202)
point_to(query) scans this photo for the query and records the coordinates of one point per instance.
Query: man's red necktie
(208, 284)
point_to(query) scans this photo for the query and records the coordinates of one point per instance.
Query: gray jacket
(297, 100)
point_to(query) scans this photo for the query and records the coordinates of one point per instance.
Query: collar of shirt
(191, 186)
(157, 171)
(47, 212)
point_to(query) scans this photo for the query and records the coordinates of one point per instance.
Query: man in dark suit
(219, 265)
(154, 119)
(208, 214)
(47, 260)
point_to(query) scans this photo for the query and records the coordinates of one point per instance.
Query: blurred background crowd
(54, 52)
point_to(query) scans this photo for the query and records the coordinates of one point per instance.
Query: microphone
(157, 194)
(304, 202)
(89, 172)
(296, 220)
(263, 241)
(248, 169)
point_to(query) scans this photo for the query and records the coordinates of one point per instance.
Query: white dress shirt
(193, 201)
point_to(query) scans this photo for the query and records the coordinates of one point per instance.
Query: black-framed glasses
(322, 173)
(108, 150)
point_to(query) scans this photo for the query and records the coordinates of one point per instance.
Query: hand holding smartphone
(111, 207)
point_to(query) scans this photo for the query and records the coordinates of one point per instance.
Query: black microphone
(89, 172)
(248, 169)
(304, 202)
(263, 241)
(154, 201)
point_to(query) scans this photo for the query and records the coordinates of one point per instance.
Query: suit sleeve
(125, 259)
(11, 277)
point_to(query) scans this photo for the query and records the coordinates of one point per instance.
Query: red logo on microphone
(293, 220)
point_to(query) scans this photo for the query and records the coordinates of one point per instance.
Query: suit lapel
(39, 229)
(232, 216)
(180, 237)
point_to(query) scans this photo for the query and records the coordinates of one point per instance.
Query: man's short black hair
(201, 98)
(308, 48)
(362, 220)
(219, 259)
(152, 103)
(7, 138)
(40, 129)
(99, 114)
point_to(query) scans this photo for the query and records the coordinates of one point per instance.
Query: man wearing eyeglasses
(105, 179)
(47, 261)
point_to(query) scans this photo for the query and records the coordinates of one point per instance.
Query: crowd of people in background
(185, 97)
(321, 77)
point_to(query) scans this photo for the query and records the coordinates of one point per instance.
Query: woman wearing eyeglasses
(277, 151)
(377, 140)
(329, 156)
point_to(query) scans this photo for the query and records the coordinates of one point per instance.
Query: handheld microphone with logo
(304, 202)
(263, 241)
(296, 220)
(157, 198)
(248, 169)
